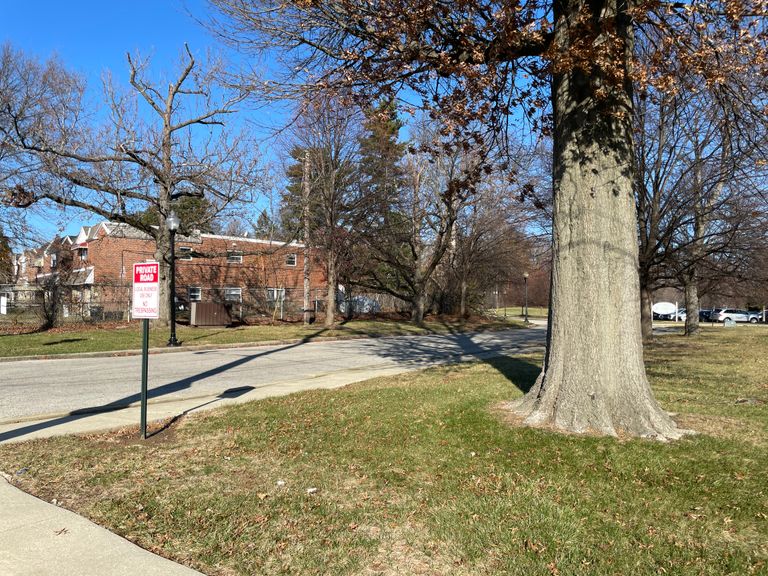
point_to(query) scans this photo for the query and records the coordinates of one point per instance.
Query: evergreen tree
(194, 214)
(266, 228)
(324, 154)
(291, 200)
(381, 174)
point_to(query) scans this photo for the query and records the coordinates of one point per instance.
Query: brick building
(254, 277)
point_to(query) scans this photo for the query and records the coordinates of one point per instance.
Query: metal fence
(36, 305)
(109, 303)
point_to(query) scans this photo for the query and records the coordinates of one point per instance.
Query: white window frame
(54, 260)
(275, 294)
(184, 253)
(82, 253)
(234, 257)
(192, 290)
(292, 256)
(230, 291)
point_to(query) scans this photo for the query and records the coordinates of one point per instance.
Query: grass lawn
(422, 474)
(109, 338)
(537, 312)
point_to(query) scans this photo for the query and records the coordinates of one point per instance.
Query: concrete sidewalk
(159, 410)
(42, 539)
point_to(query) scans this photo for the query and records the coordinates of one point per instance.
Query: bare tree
(489, 246)
(698, 171)
(156, 147)
(324, 141)
(408, 227)
(486, 61)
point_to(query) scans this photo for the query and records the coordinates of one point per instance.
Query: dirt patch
(404, 551)
(159, 433)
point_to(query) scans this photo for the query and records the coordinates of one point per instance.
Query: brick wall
(255, 277)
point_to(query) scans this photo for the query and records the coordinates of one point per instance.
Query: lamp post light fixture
(172, 223)
(525, 281)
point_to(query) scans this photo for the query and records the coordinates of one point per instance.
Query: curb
(198, 347)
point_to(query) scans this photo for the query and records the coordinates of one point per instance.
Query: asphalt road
(32, 388)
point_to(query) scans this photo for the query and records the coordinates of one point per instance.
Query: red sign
(146, 290)
(146, 272)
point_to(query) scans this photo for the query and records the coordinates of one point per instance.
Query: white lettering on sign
(146, 291)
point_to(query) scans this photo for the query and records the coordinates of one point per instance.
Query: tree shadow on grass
(497, 349)
(65, 341)
(413, 352)
(521, 373)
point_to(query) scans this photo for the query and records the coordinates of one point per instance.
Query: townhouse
(92, 270)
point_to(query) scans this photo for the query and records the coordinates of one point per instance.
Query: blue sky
(92, 37)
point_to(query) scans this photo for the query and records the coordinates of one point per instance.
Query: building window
(234, 257)
(82, 253)
(185, 253)
(290, 259)
(275, 294)
(195, 293)
(233, 294)
(54, 260)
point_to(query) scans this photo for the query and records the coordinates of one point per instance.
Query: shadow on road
(226, 395)
(415, 352)
(153, 393)
(493, 348)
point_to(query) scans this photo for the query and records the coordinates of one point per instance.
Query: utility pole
(305, 218)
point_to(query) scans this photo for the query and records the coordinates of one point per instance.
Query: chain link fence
(53, 305)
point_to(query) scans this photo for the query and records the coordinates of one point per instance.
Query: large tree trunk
(163, 256)
(691, 305)
(330, 301)
(419, 307)
(594, 379)
(646, 312)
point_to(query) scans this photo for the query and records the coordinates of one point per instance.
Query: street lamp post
(172, 222)
(525, 281)
(505, 301)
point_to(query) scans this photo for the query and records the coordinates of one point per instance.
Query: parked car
(680, 315)
(756, 312)
(737, 316)
(704, 315)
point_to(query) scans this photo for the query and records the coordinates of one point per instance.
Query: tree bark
(163, 257)
(594, 378)
(419, 307)
(646, 312)
(691, 305)
(330, 301)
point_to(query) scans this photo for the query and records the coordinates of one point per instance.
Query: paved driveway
(54, 387)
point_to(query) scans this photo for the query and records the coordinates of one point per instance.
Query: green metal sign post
(145, 305)
(144, 371)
